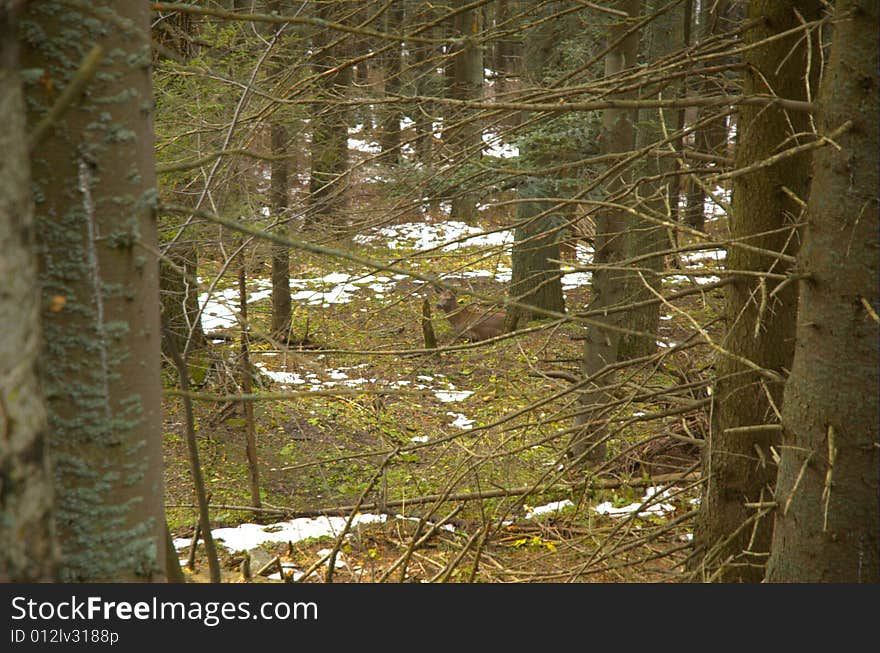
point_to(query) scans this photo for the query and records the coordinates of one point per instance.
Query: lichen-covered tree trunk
(28, 551)
(733, 539)
(588, 446)
(827, 526)
(95, 191)
(660, 37)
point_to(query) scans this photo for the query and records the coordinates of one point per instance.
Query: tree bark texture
(462, 132)
(95, 189)
(28, 551)
(601, 343)
(827, 526)
(734, 539)
(661, 37)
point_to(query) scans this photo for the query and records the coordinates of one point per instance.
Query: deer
(470, 321)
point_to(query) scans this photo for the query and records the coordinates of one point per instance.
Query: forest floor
(455, 420)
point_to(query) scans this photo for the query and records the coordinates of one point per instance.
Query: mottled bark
(28, 551)
(732, 538)
(95, 189)
(827, 526)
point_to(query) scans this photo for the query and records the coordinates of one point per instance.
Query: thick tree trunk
(733, 538)
(827, 497)
(95, 186)
(28, 551)
(601, 343)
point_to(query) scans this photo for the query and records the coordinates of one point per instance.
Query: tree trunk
(180, 297)
(661, 37)
(827, 495)
(712, 137)
(462, 131)
(28, 551)
(427, 82)
(247, 385)
(278, 205)
(390, 136)
(95, 184)
(734, 539)
(536, 279)
(281, 306)
(329, 148)
(588, 445)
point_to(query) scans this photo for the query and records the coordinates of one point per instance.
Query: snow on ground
(360, 145)
(715, 205)
(493, 145)
(653, 494)
(248, 536)
(700, 279)
(460, 421)
(449, 396)
(553, 506)
(695, 259)
(574, 280)
(221, 307)
(422, 236)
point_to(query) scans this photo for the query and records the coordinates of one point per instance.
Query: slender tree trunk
(601, 343)
(95, 186)
(180, 297)
(661, 37)
(535, 275)
(246, 386)
(28, 550)
(827, 496)
(178, 285)
(734, 538)
(278, 200)
(278, 204)
(390, 136)
(463, 130)
(427, 82)
(712, 137)
(535, 279)
(329, 148)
